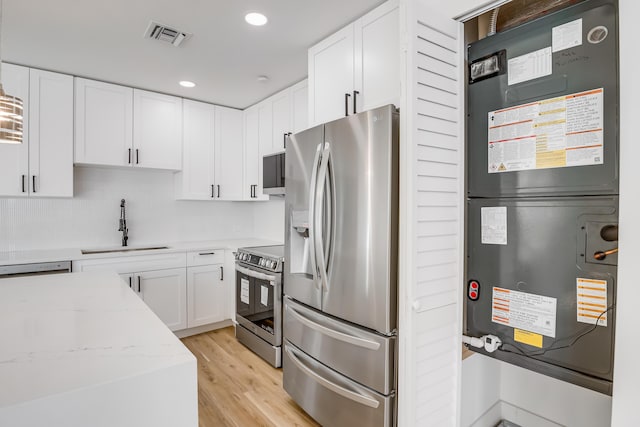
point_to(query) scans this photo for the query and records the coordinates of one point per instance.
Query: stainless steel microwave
(273, 173)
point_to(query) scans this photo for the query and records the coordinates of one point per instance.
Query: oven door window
(254, 301)
(244, 295)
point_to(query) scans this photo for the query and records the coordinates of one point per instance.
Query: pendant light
(10, 109)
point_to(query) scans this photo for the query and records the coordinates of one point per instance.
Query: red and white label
(560, 132)
(521, 310)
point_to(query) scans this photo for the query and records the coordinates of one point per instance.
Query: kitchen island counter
(82, 349)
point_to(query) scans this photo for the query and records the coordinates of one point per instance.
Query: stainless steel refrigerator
(340, 280)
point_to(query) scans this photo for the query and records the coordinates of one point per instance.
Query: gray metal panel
(546, 252)
(581, 68)
(362, 277)
(330, 398)
(361, 355)
(299, 283)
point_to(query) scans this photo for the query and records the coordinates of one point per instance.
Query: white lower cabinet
(184, 290)
(164, 291)
(205, 295)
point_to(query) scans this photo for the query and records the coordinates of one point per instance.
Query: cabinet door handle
(137, 156)
(138, 284)
(130, 282)
(212, 195)
(129, 155)
(221, 273)
(355, 92)
(218, 191)
(23, 185)
(33, 183)
(346, 104)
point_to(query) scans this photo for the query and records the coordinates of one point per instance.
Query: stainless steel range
(259, 300)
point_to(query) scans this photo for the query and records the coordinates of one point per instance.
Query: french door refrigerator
(340, 280)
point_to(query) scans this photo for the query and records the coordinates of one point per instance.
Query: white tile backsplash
(153, 215)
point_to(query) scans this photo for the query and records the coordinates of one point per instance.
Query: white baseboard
(506, 411)
(204, 328)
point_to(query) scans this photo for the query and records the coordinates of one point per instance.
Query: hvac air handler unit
(542, 209)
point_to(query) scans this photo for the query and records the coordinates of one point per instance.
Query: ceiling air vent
(165, 34)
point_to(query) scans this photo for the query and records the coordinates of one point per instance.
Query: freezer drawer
(330, 398)
(363, 356)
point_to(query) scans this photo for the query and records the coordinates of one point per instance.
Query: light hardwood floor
(236, 388)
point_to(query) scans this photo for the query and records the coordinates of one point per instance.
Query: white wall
(91, 218)
(554, 400)
(626, 379)
(269, 219)
(480, 389)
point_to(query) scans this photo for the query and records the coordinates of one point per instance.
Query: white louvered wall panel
(435, 127)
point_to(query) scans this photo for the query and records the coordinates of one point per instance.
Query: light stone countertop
(66, 332)
(75, 254)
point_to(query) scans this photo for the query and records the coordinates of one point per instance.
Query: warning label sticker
(530, 312)
(592, 301)
(560, 132)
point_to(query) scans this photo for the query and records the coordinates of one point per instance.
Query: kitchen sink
(121, 249)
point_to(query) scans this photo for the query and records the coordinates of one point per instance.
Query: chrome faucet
(123, 223)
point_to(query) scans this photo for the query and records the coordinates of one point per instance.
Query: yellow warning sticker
(526, 337)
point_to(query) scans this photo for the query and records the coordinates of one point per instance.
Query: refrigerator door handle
(317, 224)
(363, 400)
(312, 199)
(359, 342)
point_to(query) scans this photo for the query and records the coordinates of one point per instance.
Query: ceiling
(103, 40)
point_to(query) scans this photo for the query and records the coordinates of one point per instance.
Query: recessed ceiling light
(263, 78)
(255, 18)
(186, 83)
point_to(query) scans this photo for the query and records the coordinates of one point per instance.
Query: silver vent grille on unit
(165, 34)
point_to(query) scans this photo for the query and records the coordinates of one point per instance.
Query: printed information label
(520, 310)
(244, 291)
(553, 133)
(493, 225)
(530, 66)
(567, 35)
(592, 301)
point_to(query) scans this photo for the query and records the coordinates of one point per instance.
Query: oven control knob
(262, 262)
(273, 264)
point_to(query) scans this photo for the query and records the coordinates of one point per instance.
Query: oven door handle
(255, 274)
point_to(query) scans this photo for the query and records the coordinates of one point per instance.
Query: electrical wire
(541, 352)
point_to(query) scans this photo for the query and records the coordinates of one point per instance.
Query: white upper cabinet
(121, 126)
(213, 153)
(357, 68)
(331, 76)
(50, 134)
(42, 166)
(14, 158)
(104, 123)
(281, 104)
(196, 180)
(300, 106)
(378, 58)
(229, 154)
(252, 159)
(157, 130)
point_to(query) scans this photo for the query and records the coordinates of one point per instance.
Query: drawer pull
(206, 253)
(357, 341)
